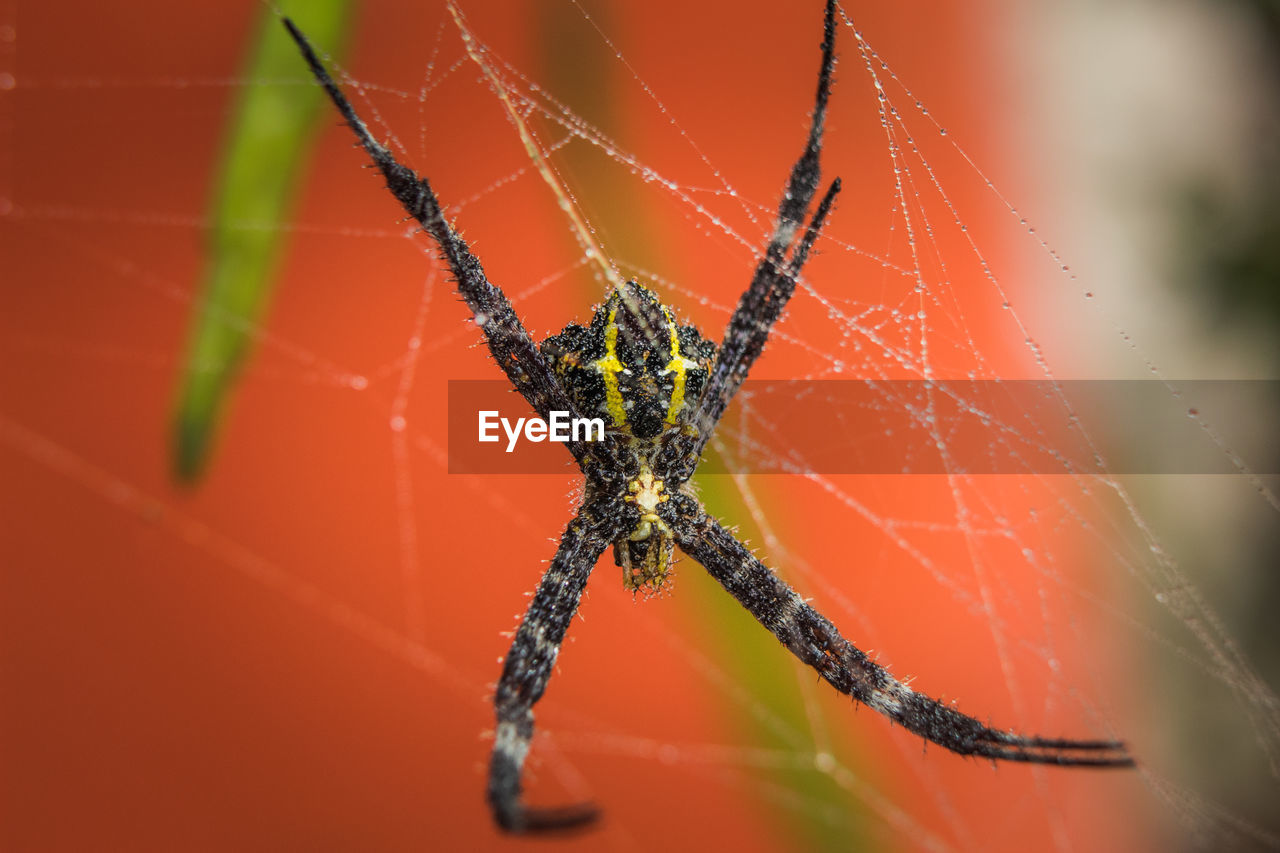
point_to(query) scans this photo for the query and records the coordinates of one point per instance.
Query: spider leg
(528, 667)
(509, 342)
(774, 280)
(814, 640)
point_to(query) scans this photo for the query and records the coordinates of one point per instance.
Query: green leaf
(269, 137)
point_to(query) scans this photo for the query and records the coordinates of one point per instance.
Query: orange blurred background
(298, 653)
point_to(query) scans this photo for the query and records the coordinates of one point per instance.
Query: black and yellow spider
(662, 388)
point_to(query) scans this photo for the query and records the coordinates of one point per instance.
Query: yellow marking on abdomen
(610, 366)
(677, 365)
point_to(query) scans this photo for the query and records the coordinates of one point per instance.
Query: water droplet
(358, 383)
(7, 81)
(398, 423)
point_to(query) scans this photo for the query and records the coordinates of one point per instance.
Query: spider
(662, 387)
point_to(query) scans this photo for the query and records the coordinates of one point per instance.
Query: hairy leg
(509, 342)
(775, 276)
(528, 667)
(814, 640)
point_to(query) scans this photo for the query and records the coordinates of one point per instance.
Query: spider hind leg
(527, 670)
(814, 640)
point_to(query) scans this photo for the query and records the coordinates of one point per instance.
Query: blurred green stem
(268, 139)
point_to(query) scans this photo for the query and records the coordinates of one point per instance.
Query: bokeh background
(296, 651)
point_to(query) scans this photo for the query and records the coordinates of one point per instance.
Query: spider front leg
(774, 280)
(814, 640)
(528, 667)
(509, 342)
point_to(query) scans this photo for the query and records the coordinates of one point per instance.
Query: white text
(561, 428)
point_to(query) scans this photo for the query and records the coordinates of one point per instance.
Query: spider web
(301, 651)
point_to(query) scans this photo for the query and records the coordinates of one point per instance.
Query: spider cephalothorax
(635, 365)
(643, 372)
(662, 388)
